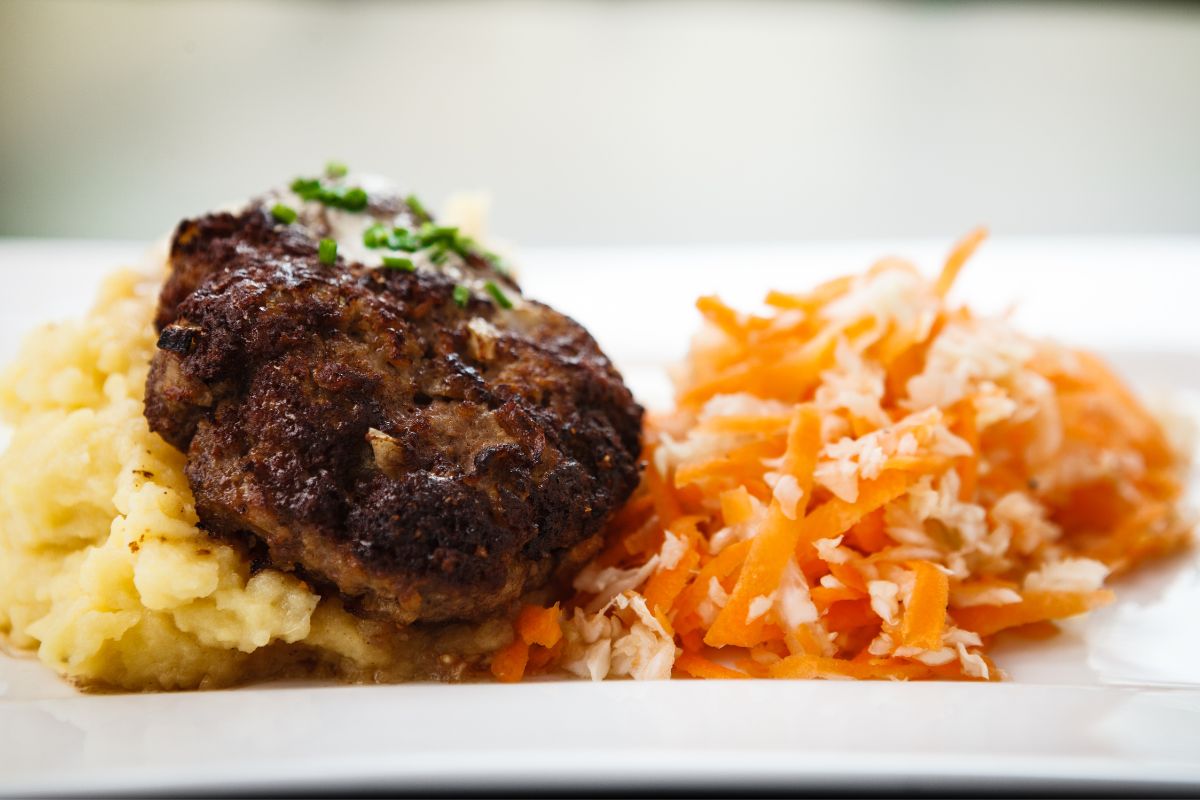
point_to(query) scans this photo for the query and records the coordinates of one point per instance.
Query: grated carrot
(700, 667)
(803, 665)
(826, 596)
(540, 626)
(721, 315)
(720, 567)
(805, 640)
(846, 615)
(773, 547)
(967, 466)
(836, 516)
(508, 663)
(664, 586)
(869, 534)
(542, 657)
(958, 257)
(925, 614)
(1034, 607)
(1042, 629)
(857, 483)
(736, 506)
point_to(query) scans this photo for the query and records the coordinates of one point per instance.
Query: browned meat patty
(430, 454)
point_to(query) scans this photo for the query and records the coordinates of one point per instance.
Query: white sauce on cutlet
(348, 228)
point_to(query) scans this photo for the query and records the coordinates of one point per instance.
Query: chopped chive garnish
(461, 295)
(402, 239)
(418, 210)
(347, 198)
(497, 294)
(355, 199)
(306, 187)
(327, 251)
(396, 262)
(284, 214)
(497, 264)
(336, 169)
(438, 242)
(434, 234)
(376, 235)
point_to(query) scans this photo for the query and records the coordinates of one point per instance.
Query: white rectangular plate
(1112, 702)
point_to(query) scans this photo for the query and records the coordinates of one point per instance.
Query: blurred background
(595, 122)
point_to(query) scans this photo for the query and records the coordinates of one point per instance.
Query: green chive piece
(497, 294)
(307, 188)
(327, 251)
(497, 264)
(461, 295)
(402, 239)
(396, 262)
(418, 210)
(436, 234)
(376, 235)
(354, 199)
(336, 169)
(284, 214)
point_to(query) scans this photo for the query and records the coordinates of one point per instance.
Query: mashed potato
(103, 569)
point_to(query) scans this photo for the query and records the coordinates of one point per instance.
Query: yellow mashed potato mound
(103, 569)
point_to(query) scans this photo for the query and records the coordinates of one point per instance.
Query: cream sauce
(347, 229)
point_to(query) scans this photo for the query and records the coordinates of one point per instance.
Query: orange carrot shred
(835, 516)
(967, 466)
(1035, 607)
(813, 506)
(807, 666)
(869, 534)
(721, 315)
(925, 614)
(957, 258)
(508, 663)
(825, 596)
(775, 545)
(666, 584)
(698, 666)
(845, 615)
(539, 625)
(541, 657)
(736, 507)
(720, 567)
(666, 505)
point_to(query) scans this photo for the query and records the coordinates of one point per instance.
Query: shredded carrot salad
(865, 482)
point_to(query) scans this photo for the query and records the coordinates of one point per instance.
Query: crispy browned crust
(349, 422)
